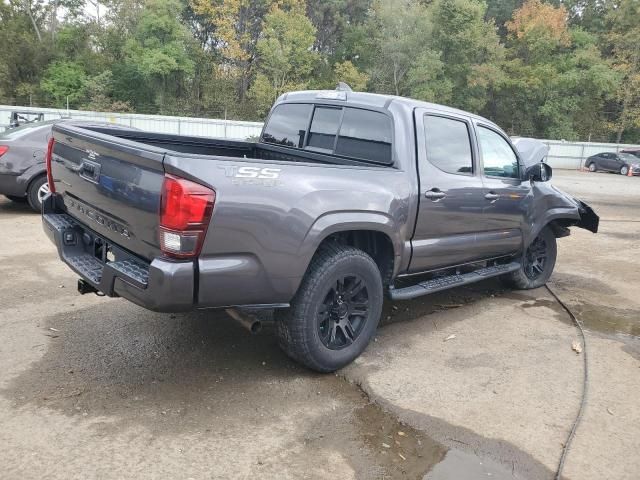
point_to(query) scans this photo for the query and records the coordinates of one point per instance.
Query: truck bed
(219, 147)
(272, 206)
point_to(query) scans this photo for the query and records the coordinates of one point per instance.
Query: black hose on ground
(585, 385)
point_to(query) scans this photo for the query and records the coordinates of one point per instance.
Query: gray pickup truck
(345, 197)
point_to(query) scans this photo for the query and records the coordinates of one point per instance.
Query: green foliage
(286, 57)
(623, 40)
(395, 34)
(157, 50)
(64, 80)
(348, 73)
(466, 42)
(546, 68)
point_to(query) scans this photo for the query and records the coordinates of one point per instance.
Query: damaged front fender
(589, 220)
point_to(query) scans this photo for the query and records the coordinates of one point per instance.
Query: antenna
(343, 87)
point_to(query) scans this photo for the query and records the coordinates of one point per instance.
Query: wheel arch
(30, 175)
(373, 233)
(558, 221)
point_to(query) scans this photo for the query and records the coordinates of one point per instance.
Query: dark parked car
(22, 170)
(346, 197)
(23, 176)
(614, 162)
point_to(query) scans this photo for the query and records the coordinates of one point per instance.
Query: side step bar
(443, 283)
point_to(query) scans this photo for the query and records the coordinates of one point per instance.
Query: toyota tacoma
(345, 197)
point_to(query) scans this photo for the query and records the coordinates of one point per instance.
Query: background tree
(157, 52)
(285, 53)
(546, 68)
(623, 40)
(64, 81)
(396, 33)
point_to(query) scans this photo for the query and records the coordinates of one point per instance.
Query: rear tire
(537, 263)
(624, 170)
(38, 188)
(335, 312)
(592, 167)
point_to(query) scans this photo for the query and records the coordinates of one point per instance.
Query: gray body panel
(264, 232)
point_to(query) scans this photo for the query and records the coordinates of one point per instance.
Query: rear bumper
(161, 285)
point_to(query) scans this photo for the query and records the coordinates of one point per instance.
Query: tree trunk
(33, 22)
(54, 19)
(395, 78)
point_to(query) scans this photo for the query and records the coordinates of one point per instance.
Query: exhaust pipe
(246, 319)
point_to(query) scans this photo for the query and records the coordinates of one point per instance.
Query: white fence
(571, 155)
(563, 155)
(202, 127)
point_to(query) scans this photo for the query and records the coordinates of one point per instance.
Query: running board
(443, 283)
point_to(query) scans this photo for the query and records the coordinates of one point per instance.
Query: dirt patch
(608, 320)
(119, 367)
(590, 285)
(623, 235)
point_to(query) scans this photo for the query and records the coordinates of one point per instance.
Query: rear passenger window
(365, 135)
(448, 145)
(288, 124)
(324, 128)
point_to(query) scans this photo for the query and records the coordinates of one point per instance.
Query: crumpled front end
(589, 220)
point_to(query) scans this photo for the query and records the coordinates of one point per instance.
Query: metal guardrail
(205, 127)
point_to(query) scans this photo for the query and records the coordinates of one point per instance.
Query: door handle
(434, 194)
(492, 196)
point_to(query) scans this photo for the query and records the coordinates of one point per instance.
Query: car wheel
(537, 263)
(37, 190)
(624, 170)
(335, 312)
(592, 167)
(15, 198)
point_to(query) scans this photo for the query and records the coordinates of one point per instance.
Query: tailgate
(111, 185)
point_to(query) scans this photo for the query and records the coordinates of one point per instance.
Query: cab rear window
(354, 133)
(287, 125)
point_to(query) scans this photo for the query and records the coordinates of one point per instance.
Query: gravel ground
(100, 388)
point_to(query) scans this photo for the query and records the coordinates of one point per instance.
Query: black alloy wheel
(344, 312)
(535, 258)
(537, 262)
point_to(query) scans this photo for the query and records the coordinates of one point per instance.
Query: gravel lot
(100, 388)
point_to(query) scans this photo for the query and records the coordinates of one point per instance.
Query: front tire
(38, 188)
(592, 167)
(537, 263)
(335, 312)
(624, 170)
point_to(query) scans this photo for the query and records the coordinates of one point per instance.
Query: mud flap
(588, 218)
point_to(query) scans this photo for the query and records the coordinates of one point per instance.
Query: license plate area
(93, 257)
(98, 247)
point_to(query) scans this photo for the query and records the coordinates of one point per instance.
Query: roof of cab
(375, 100)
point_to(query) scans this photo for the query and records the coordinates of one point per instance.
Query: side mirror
(540, 172)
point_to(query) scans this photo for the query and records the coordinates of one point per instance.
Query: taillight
(185, 212)
(52, 187)
(3, 149)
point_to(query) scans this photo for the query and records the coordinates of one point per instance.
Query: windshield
(13, 133)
